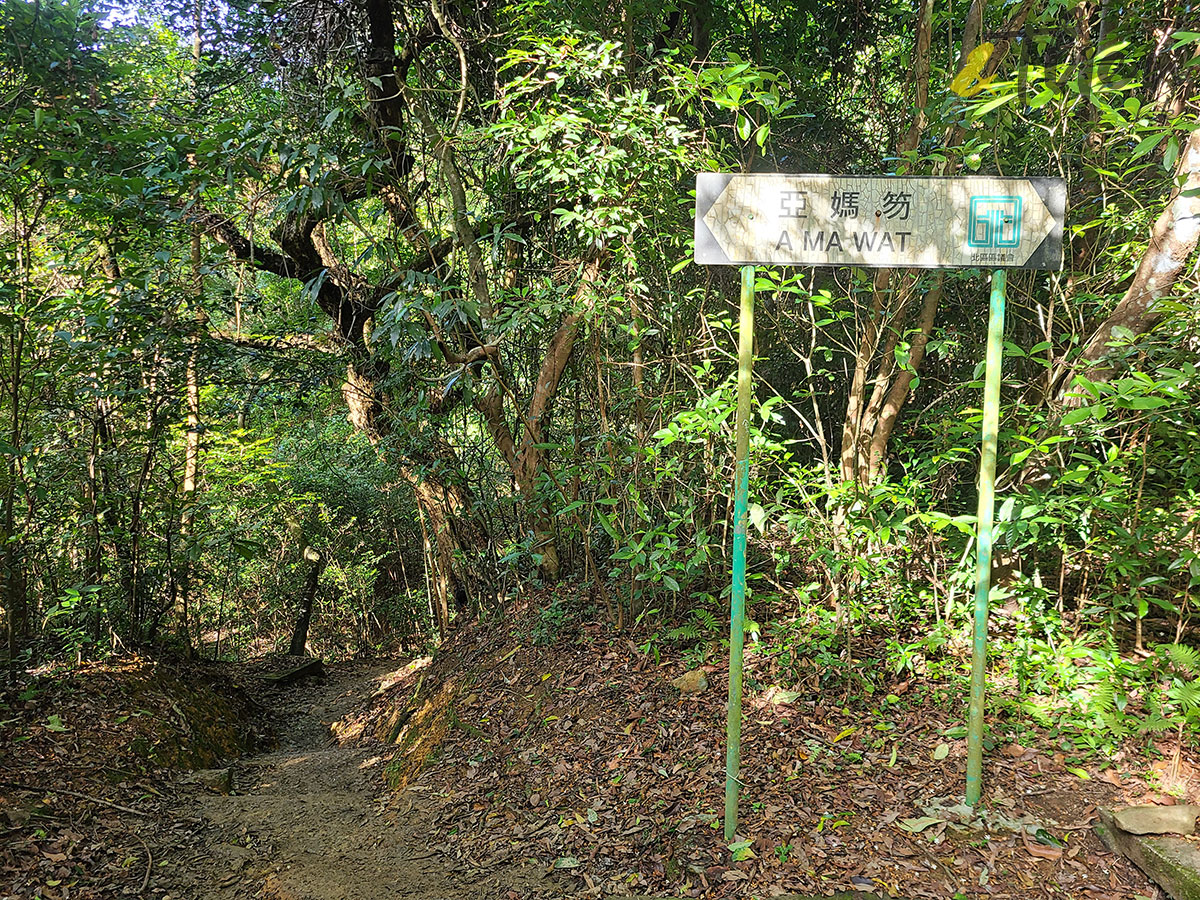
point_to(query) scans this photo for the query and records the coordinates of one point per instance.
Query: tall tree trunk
(191, 462)
(855, 401)
(432, 470)
(702, 27)
(639, 367)
(457, 537)
(95, 549)
(191, 452)
(425, 461)
(307, 601)
(11, 564)
(854, 435)
(1173, 239)
(526, 458)
(889, 414)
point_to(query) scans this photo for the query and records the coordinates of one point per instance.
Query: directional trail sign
(884, 221)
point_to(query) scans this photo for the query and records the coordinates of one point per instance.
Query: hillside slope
(572, 749)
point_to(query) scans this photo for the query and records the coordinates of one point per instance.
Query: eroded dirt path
(312, 820)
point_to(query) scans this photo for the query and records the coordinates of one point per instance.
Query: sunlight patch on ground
(391, 679)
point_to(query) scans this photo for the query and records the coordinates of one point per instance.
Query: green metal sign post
(737, 597)
(983, 543)
(879, 221)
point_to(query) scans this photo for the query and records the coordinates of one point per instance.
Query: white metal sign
(884, 222)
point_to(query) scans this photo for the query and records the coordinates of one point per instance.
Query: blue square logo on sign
(994, 222)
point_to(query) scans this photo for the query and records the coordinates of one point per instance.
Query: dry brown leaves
(581, 757)
(76, 744)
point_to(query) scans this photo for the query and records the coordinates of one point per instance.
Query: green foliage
(549, 623)
(603, 152)
(334, 219)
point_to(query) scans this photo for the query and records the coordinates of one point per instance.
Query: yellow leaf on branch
(967, 83)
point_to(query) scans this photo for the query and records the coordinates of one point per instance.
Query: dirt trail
(312, 821)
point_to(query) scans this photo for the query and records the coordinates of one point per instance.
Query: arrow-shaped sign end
(1053, 194)
(709, 186)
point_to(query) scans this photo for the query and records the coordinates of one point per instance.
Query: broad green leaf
(1171, 154)
(1075, 416)
(994, 103)
(1147, 144)
(758, 516)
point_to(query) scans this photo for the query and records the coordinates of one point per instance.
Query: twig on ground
(149, 864)
(42, 789)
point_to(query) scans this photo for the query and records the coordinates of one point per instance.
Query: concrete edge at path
(1173, 863)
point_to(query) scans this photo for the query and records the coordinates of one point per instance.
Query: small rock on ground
(693, 682)
(1180, 819)
(219, 781)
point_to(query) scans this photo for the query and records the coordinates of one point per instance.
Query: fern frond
(683, 632)
(1116, 725)
(1155, 723)
(1186, 695)
(1183, 657)
(1103, 697)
